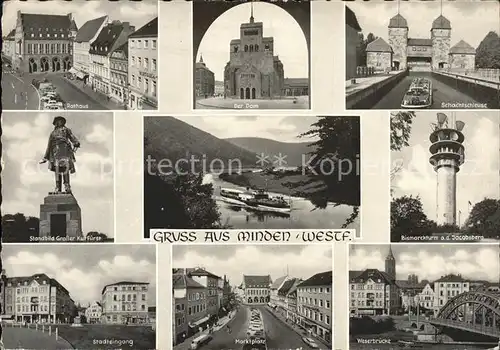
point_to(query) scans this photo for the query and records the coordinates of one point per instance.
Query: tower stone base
(60, 217)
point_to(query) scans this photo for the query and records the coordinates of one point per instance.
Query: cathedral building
(253, 71)
(434, 53)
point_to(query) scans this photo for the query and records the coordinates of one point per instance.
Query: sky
(478, 177)
(470, 21)
(278, 128)
(84, 269)
(26, 182)
(289, 41)
(431, 261)
(234, 261)
(138, 13)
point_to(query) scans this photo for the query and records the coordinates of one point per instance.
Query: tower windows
(235, 49)
(246, 48)
(251, 48)
(256, 48)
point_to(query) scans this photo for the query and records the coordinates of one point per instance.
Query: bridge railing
(487, 330)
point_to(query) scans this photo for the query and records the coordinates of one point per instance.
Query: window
(153, 65)
(55, 35)
(146, 44)
(133, 83)
(146, 85)
(133, 60)
(153, 88)
(139, 61)
(246, 48)
(146, 63)
(153, 44)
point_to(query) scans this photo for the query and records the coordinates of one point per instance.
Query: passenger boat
(258, 200)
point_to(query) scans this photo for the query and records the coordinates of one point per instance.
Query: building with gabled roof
(314, 305)
(257, 289)
(462, 56)
(43, 43)
(143, 67)
(81, 45)
(352, 39)
(275, 286)
(93, 312)
(379, 55)
(118, 70)
(291, 301)
(8, 45)
(112, 36)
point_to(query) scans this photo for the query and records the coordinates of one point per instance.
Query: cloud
(27, 182)
(479, 263)
(83, 282)
(478, 176)
(236, 261)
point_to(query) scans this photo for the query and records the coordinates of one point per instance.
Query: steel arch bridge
(474, 312)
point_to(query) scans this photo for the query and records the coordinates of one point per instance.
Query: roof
(278, 282)
(441, 23)
(90, 29)
(462, 47)
(45, 24)
(287, 285)
(11, 34)
(351, 20)
(378, 45)
(372, 274)
(319, 279)
(354, 274)
(150, 29)
(39, 277)
(398, 21)
(419, 42)
(296, 82)
(181, 281)
(73, 26)
(257, 281)
(123, 47)
(295, 285)
(200, 272)
(104, 42)
(451, 278)
(123, 283)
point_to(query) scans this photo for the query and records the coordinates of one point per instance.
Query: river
(304, 215)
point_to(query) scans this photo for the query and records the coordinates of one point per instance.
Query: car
(310, 342)
(418, 95)
(200, 341)
(45, 98)
(54, 107)
(52, 104)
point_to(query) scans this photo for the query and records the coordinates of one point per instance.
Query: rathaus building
(432, 53)
(253, 71)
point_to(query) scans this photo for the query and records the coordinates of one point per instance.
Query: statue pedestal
(60, 216)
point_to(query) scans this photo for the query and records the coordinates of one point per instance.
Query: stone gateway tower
(441, 42)
(398, 40)
(253, 71)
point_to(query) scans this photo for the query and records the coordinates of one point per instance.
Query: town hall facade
(253, 71)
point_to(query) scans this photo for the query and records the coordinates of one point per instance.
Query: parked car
(200, 341)
(310, 342)
(419, 94)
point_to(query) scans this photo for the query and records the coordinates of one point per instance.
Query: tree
(361, 48)
(400, 126)
(18, 228)
(408, 218)
(484, 219)
(336, 151)
(488, 52)
(179, 202)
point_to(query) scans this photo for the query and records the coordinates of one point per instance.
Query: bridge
(470, 315)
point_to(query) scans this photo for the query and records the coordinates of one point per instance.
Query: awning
(72, 70)
(200, 321)
(80, 75)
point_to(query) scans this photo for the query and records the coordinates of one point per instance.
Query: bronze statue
(60, 153)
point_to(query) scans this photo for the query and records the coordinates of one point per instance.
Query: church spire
(390, 255)
(201, 58)
(251, 12)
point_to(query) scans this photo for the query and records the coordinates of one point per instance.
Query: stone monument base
(60, 216)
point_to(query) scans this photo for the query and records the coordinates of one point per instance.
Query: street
(442, 94)
(278, 334)
(25, 338)
(13, 86)
(12, 99)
